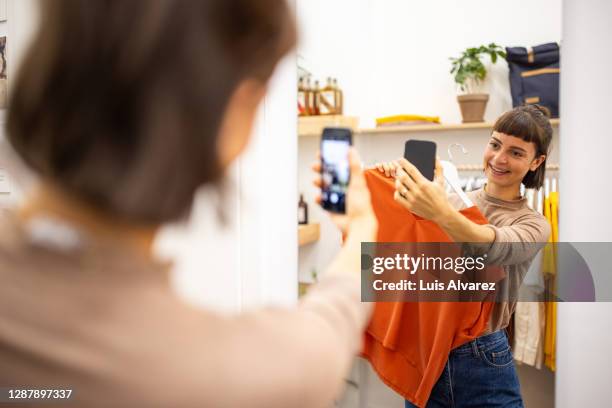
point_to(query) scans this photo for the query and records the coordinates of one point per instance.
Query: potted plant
(469, 72)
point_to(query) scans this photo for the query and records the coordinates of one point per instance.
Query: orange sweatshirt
(408, 343)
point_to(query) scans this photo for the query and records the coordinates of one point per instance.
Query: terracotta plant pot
(473, 107)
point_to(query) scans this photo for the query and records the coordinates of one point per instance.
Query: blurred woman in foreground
(124, 109)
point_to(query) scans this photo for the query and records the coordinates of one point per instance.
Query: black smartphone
(422, 154)
(335, 170)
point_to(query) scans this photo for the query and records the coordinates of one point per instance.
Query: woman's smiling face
(507, 159)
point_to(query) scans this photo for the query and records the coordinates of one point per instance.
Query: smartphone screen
(422, 154)
(335, 171)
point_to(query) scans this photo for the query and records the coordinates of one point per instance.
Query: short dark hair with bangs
(119, 103)
(530, 123)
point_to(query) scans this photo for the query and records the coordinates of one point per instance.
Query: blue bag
(534, 76)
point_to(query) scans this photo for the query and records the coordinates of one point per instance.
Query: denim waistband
(482, 343)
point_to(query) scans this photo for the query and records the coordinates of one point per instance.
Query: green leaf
(469, 67)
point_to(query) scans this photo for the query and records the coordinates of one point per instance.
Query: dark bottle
(302, 211)
(310, 98)
(316, 97)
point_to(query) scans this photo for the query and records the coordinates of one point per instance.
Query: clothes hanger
(451, 175)
(450, 148)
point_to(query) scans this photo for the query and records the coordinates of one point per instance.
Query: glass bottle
(316, 92)
(327, 99)
(339, 97)
(302, 211)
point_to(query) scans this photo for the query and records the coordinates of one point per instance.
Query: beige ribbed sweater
(520, 232)
(105, 323)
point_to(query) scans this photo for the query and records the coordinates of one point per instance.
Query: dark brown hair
(119, 103)
(530, 123)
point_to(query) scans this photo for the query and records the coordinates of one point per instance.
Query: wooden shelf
(435, 128)
(423, 128)
(308, 233)
(314, 125)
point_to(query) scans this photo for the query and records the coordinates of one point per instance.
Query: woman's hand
(425, 198)
(388, 168)
(358, 205)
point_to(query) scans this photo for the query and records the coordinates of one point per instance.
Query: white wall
(584, 331)
(392, 56)
(22, 22)
(252, 260)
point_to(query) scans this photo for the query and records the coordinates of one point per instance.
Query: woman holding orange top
(482, 373)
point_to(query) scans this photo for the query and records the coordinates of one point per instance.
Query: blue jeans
(480, 374)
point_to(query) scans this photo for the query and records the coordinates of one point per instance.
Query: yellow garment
(554, 214)
(406, 118)
(551, 212)
(548, 261)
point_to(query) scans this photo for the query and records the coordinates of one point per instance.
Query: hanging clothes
(551, 211)
(408, 344)
(530, 317)
(529, 329)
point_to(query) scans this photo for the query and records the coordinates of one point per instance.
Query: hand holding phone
(415, 188)
(358, 214)
(422, 154)
(335, 168)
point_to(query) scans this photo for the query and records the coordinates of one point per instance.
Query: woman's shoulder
(530, 215)
(529, 223)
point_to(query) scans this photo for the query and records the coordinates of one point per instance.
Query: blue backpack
(534, 76)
